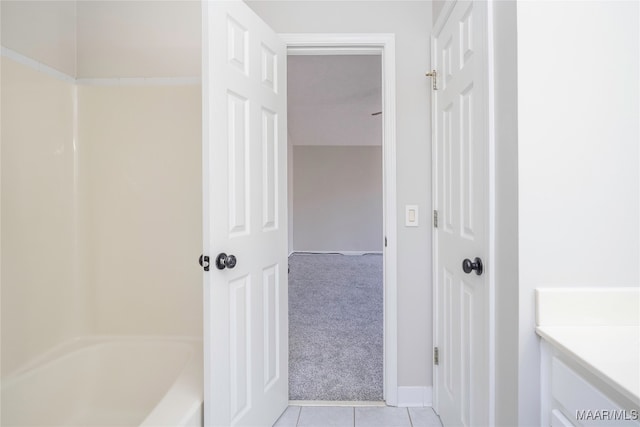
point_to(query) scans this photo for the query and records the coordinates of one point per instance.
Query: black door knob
(468, 266)
(225, 261)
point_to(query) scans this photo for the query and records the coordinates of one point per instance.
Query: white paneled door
(462, 200)
(245, 217)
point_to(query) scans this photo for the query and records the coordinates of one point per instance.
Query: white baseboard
(415, 396)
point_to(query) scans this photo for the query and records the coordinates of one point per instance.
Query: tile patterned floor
(348, 416)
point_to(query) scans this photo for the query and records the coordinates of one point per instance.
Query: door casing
(384, 45)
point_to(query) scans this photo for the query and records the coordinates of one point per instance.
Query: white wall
(141, 194)
(411, 23)
(107, 39)
(437, 5)
(41, 30)
(337, 198)
(41, 301)
(506, 260)
(579, 189)
(101, 186)
(138, 38)
(336, 169)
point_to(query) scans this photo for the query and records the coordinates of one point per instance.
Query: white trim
(116, 81)
(315, 51)
(35, 65)
(347, 253)
(384, 44)
(141, 81)
(357, 41)
(434, 204)
(411, 397)
(491, 232)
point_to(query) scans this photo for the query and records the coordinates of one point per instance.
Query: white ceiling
(331, 99)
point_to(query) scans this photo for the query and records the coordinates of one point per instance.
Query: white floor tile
(424, 417)
(382, 417)
(289, 418)
(326, 416)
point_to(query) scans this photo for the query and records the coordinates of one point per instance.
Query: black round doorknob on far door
(468, 266)
(225, 261)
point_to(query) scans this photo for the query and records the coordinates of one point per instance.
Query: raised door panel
(245, 148)
(461, 146)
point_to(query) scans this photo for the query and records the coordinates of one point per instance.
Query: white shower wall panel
(41, 302)
(140, 165)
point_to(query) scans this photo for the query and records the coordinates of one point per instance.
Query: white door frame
(491, 217)
(384, 45)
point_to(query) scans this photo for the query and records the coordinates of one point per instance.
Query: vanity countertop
(599, 327)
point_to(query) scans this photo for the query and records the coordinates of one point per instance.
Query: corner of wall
(415, 397)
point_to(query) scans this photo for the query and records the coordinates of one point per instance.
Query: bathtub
(108, 381)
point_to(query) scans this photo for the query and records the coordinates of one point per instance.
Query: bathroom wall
(101, 184)
(437, 6)
(506, 260)
(138, 38)
(337, 198)
(41, 30)
(579, 164)
(41, 300)
(140, 158)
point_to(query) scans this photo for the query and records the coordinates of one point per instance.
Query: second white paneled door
(459, 55)
(245, 217)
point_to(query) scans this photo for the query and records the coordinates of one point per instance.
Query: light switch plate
(411, 216)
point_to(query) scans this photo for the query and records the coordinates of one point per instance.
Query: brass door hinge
(434, 75)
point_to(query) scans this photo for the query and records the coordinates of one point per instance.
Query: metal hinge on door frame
(436, 356)
(435, 218)
(434, 75)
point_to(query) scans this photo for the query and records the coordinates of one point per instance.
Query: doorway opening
(378, 48)
(335, 227)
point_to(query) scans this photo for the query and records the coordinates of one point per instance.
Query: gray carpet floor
(335, 327)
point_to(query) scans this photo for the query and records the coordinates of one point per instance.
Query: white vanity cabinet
(590, 356)
(573, 396)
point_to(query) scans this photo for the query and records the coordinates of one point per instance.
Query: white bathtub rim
(186, 391)
(75, 344)
(180, 403)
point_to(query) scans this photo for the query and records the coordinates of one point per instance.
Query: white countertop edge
(547, 335)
